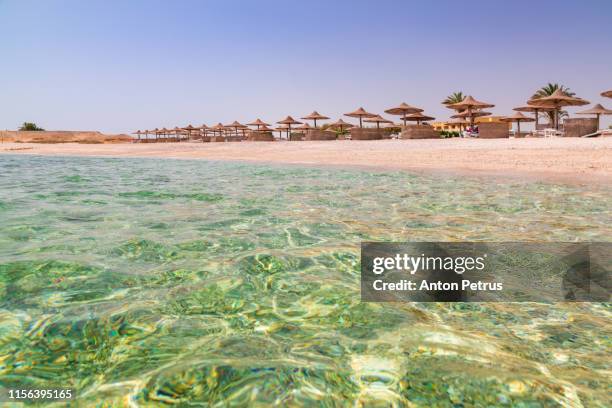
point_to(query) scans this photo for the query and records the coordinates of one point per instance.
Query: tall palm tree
(455, 97)
(548, 90)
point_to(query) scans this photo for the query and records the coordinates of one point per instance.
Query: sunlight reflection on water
(165, 281)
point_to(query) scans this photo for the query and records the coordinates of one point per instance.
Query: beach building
(454, 127)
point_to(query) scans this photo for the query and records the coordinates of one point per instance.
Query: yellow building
(494, 119)
(439, 126)
(453, 127)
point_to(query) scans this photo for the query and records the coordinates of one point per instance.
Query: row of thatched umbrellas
(553, 103)
(469, 108)
(407, 113)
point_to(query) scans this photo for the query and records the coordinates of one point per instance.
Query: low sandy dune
(61, 136)
(562, 159)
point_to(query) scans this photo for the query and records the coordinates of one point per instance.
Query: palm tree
(548, 90)
(455, 97)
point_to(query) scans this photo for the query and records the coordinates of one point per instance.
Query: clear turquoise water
(152, 282)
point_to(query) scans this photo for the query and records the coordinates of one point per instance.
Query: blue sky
(117, 66)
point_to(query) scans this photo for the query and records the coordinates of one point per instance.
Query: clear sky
(117, 66)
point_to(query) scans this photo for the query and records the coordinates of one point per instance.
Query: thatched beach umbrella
(314, 116)
(471, 115)
(289, 121)
(218, 128)
(378, 120)
(280, 130)
(518, 117)
(261, 130)
(596, 110)
(340, 124)
(237, 125)
(557, 100)
(137, 133)
(360, 113)
(417, 117)
(156, 133)
(607, 94)
(469, 105)
(184, 134)
(536, 111)
(194, 132)
(264, 128)
(164, 133)
(178, 132)
(305, 127)
(168, 134)
(204, 129)
(403, 109)
(258, 122)
(189, 129)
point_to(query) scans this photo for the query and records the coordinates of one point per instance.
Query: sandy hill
(61, 136)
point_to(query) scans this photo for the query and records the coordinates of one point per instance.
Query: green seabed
(198, 283)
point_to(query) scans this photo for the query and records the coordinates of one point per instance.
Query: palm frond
(455, 97)
(549, 89)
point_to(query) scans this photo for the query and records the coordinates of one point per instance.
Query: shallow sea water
(147, 282)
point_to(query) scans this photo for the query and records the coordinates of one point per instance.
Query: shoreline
(561, 160)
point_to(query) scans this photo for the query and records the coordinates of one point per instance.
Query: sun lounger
(550, 132)
(602, 132)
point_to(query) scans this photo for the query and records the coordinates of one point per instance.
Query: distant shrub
(29, 126)
(444, 134)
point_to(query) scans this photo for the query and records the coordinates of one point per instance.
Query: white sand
(560, 159)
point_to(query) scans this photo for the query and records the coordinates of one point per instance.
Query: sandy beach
(573, 160)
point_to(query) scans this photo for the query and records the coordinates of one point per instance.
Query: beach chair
(550, 132)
